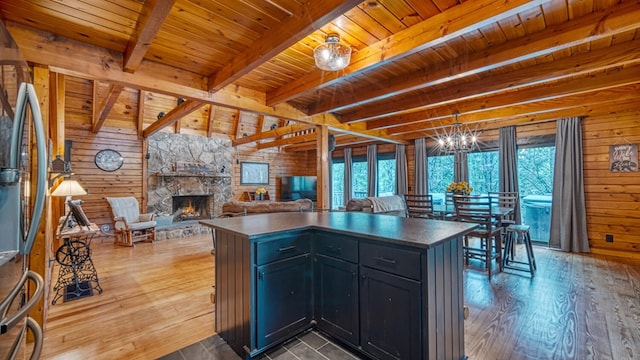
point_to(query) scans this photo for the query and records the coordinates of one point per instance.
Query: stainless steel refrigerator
(21, 202)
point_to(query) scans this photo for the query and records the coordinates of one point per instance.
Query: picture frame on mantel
(254, 173)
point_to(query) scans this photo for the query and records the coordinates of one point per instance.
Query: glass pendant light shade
(332, 55)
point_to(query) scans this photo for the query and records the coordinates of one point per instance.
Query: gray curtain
(568, 214)
(421, 184)
(460, 167)
(401, 170)
(372, 170)
(348, 165)
(507, 152)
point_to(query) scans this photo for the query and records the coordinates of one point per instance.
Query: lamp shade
(69, 188)
(332, 55)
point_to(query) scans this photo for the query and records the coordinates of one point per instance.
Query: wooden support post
(322, 169)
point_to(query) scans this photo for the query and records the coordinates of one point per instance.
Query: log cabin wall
(301, 163)
(612, 198)
(119, 132)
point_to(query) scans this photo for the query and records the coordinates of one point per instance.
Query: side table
(77, 277)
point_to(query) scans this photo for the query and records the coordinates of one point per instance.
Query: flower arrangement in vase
(260, 193)
(461, 187)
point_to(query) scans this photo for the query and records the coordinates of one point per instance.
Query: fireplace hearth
(192, 207)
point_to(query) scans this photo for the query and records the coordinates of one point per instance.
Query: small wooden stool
(513, 231)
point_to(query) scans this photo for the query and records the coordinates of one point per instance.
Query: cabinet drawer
(282, 247)
(391, 259)
(337, 246)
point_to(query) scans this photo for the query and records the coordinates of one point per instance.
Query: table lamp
(68, 188)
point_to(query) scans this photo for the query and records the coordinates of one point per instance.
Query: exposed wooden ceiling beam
(288, 140)
(74, 58)
(236, 124)
(152, 15)
(277, 132)
(539, 111)
(451, 23)
(180, 111)
(580, 31)
(142, 95)
(210, 122)
(306, 17)
(613, 78)
(623, 54)
(105, 107)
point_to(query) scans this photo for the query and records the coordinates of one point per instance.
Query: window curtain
(401, 170)
(372, 170)
(508, 155)
(460, 167)
(568, 214)
(348, 165)
(421, 178)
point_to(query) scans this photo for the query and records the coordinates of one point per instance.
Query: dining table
(498, 212)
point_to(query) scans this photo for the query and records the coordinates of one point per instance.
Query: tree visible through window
(484, 171)
(386, 177)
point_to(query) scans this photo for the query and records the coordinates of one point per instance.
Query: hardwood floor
(156, 301)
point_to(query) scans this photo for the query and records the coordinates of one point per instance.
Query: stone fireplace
(189, 179)
(192, 207)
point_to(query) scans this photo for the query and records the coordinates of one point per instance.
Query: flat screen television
(298, 187)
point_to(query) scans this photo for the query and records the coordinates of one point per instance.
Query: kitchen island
(385, 286)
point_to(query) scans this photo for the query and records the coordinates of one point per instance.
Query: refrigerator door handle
(8, 323)
(27, 95)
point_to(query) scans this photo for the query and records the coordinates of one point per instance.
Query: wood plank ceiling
(414, 62)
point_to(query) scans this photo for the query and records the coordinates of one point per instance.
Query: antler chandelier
(332, 55)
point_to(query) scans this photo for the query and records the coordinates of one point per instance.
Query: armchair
(129, 225)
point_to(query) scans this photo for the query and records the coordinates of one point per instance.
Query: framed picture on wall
(623, 158)
(254, 173)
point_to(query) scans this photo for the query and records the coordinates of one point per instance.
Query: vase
(260, 197)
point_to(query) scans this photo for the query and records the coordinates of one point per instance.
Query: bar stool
(513, 231)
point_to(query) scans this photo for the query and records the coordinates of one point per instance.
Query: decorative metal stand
(77, 277)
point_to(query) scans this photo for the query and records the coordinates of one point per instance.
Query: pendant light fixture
(457, 139)
(332, 55)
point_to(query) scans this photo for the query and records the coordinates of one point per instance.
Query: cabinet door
(284, 302)
(336, 284)
(390, 315)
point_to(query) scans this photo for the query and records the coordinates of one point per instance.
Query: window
(484, 171)
(440, 171)
(359, 183)
(535, 179)
(337, 184)
(386, 174)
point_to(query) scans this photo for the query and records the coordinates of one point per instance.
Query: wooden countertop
(405, 231)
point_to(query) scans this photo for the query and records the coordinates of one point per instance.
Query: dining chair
(506, 199)
(449, 213)
(419, 206)
(477, 209)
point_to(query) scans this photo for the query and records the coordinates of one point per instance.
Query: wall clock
(108, 160)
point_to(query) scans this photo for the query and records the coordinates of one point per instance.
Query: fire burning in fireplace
(189, 213)
(191, 207)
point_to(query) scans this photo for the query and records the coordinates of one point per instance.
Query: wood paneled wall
(280, 164)
(613, 199)
(118, 132)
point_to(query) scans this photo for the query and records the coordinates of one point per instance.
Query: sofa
(390, 205)
(259, 207)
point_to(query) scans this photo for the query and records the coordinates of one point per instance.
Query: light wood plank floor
(156, 301)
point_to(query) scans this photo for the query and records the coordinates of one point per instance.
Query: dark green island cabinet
(385, 286)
